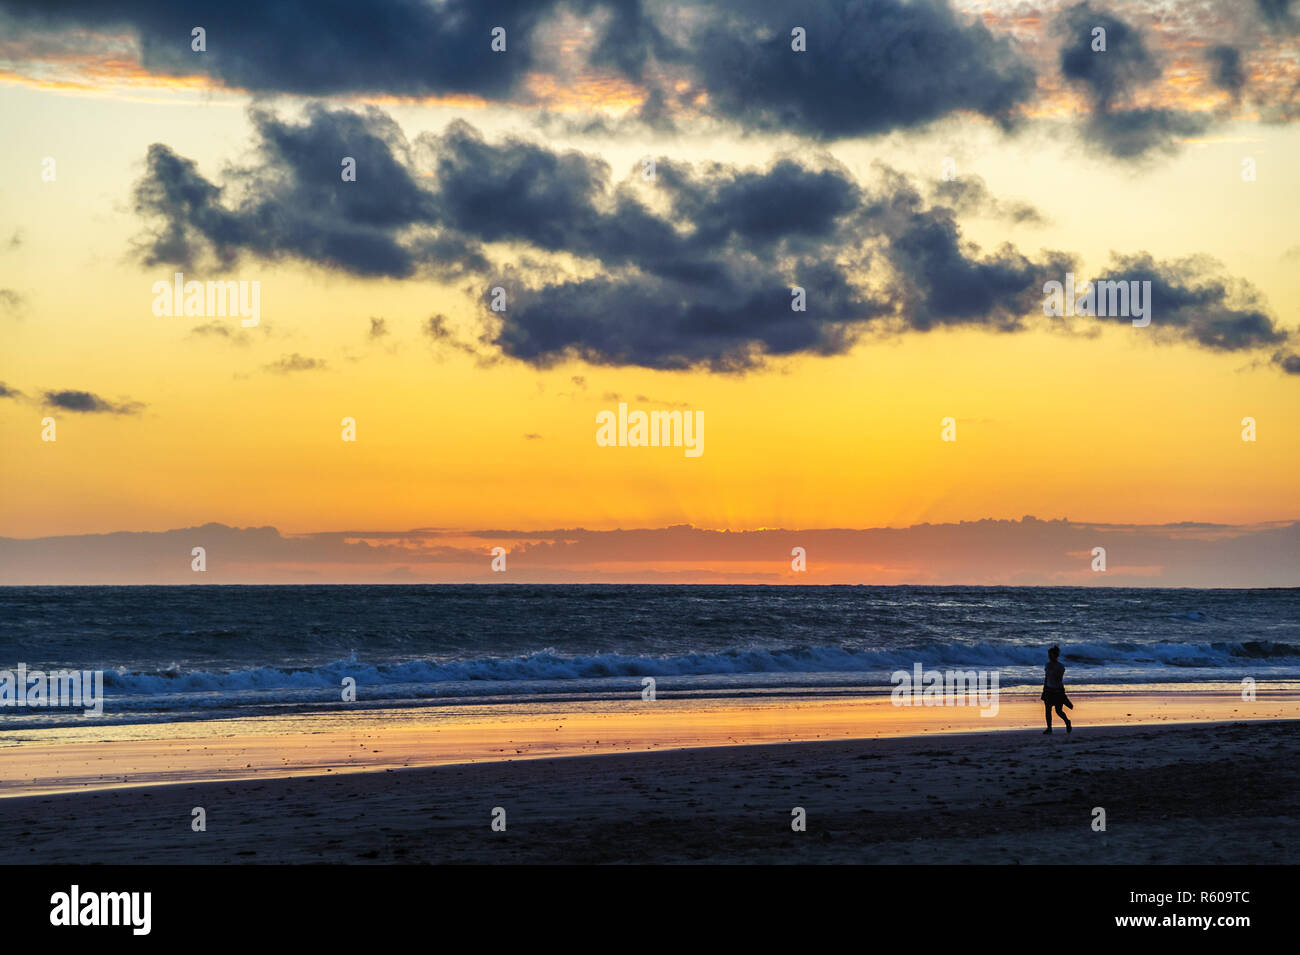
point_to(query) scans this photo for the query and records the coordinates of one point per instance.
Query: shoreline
(1204, 793)
(135, 755)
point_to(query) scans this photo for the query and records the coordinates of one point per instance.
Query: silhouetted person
(1054, 690)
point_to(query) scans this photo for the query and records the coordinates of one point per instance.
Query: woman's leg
(1047, 712)
(1061, 713)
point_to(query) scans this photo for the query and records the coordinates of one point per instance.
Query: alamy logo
(924, 687)
(654, 429)
(70, 688)
(209, 299)
(103, 908)
(1103, 299)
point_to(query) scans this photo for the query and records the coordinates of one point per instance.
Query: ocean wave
(550, 665)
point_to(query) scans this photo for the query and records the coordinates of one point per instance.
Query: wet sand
(1208, 793)
(96, 757)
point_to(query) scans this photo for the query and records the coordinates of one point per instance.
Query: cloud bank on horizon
(1027, 552)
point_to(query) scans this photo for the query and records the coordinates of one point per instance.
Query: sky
(646, 183)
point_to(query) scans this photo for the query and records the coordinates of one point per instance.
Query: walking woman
(1054, 690)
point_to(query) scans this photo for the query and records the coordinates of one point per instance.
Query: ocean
(202, 652)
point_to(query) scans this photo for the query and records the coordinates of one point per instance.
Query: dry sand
(1203, 793)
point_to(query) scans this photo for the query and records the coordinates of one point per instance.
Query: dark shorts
(1053, 696)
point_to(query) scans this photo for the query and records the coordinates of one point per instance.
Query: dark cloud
(378, 328)
(1226, 71)
(945, 283)
(871, 66)
(970, 195)
(631, 37)
(717, 278)
(940, 279)
(788, 203)
(1138, 133)
(520, 192)
(1278, 15)
(173, 190)
(85, 401)
(295, 203)
(401, 47)
(1192, 299)
(693, 269)
(516, 191)
(7, 392)
(660, 323)
(295, 362)
(711, 284)
(1110, 77)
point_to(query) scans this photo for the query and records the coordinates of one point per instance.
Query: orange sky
(1066, 420)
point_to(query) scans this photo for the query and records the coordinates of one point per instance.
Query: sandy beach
(1208, 793)
(88, 755)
